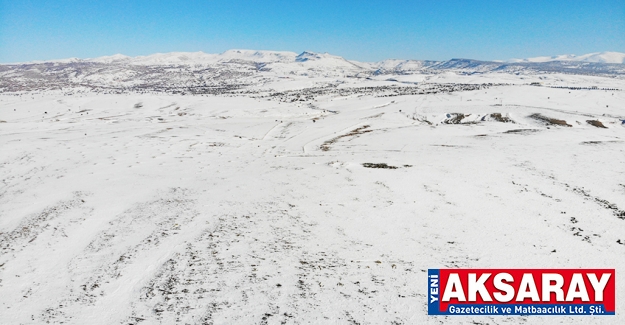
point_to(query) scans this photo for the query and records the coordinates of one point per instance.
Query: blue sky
(358, 30)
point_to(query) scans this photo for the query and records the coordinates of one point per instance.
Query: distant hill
(598, 57)
(235, 69)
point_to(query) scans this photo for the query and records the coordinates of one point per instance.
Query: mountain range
(598, 57)
(286, 57)
(234, 69)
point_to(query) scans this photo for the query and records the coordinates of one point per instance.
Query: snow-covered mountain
(241, 68)
(258, 56)
(598, 57)
(192, 58)
(200, 57)
(401, 66)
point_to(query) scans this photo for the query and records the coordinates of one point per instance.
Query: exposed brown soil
(522, 131)
(596, 123)
(549, 120)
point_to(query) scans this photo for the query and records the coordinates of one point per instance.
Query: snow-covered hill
(598, 57)
(278, 56)
(198, 72)
(325, 61)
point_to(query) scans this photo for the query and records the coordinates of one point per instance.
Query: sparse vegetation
(361, 130)
(549, 120)
(596, 123)
(380, 165)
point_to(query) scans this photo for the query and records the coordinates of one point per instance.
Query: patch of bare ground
(373, 116)
(521, 131)
(598, 142)
(596, 123)
(361, 130)
(499, 118)
(549, 120)
(380, 165)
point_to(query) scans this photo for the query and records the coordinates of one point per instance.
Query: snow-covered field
(166, 209)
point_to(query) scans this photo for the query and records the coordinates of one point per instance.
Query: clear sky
(358, 30)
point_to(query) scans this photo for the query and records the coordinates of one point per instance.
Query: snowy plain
(156, 208)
